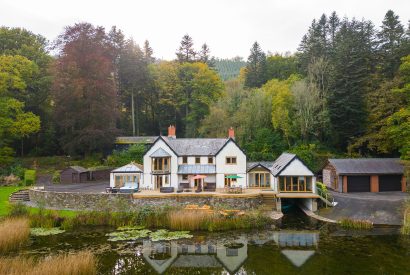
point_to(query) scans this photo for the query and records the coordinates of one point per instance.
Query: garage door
(390, 183)
(358, 184)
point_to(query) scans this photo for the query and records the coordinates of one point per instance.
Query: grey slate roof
(139, 139)
(129, 168)
(281, 162)
(79, 169)
(196, 169)
(367, 166)
(266, 164)
(196, 146)
(160, 153)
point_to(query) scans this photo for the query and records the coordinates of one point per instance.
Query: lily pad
(128, 235)
(39, 231)
(165, 235)
(136, 227)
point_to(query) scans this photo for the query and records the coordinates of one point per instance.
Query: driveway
(380, 208)
(88, 187)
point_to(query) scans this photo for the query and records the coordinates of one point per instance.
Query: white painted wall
(222, 169)
(296, 168)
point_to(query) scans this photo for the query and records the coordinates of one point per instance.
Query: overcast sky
(229, 27)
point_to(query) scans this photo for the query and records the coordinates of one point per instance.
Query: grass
(356, 224)
(405, 230)
(14, 232)
(82, 263)
(5, 192)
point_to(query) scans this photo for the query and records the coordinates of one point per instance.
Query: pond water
(297, 246)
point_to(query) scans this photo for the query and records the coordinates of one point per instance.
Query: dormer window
(230, 160)
(197, 160)
(184, 160)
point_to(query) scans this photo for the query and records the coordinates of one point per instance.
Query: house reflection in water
(296, 246)
(213, 254)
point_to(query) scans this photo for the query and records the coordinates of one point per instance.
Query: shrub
(29, 177)
(133, 153)
(405, 230)
(82, 263)
(356, 224)
(14, 232)
(56, 177)
(18, 210)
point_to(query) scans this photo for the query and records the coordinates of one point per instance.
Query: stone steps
(19, 196)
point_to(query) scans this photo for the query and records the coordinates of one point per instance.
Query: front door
(158, 181)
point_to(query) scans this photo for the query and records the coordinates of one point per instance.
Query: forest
(345, 92)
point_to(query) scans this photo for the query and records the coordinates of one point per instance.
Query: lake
(297, 246)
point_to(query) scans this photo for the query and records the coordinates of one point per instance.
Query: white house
(207, 163)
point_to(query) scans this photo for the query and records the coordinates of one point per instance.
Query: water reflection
(228, 253)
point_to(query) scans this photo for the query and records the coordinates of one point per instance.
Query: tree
(133, 77)
(281, 67)
(391, 38)
(399, 122)
(84, 90)
(352, 66)
(255, 68)
(186, 52)
(204, 56)
(15, 123)
(148, 52)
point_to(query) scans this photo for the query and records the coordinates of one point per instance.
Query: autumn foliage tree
(84, 90)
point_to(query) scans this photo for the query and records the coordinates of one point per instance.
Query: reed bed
(14, 233)
(356, 224)
(82, 263)
(188, 220)
(405, 230)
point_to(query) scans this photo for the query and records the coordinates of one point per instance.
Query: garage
(358, 184)
(389, 183)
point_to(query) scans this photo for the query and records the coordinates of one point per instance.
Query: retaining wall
(121, 202)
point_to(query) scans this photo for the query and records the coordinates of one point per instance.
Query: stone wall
(102, 201)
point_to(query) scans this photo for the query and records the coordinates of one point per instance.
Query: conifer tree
(256, 67)
(186, 52)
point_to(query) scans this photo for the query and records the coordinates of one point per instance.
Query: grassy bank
(356, 224)
(14, 233)
(405, 230)
(5, 192)
(149, 217)
(82, 263)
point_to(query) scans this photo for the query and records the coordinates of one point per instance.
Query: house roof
(139, 139)
(281, 162)
(196, 169)
(159, 153)
(263, 164)
(196, 146)
(367, 166)
(79, 169)
(129, 168)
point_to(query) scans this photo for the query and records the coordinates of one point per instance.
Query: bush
(14, 232)
(405, 230)
(29, 177)
(18, 210)
(133, 153)
(56, 177)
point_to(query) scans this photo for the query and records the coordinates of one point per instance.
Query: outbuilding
(364, 175)
(73, 174)
(127, 176)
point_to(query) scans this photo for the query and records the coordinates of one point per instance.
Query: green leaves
(136, 234)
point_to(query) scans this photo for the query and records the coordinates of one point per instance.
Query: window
(197, 160)
(259, 179)
(210, 160)
(295, 184)
(160, 164)
(185, 177)
(184, 159)
(230, 160)
(230, 181)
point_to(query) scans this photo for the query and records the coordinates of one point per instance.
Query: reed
(14, 233)
(188, 220)
(405, 230)
(356, 224)
(82, 263)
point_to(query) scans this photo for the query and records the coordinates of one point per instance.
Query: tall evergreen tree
(205, 57)
(186, 52)
(256, 69)
(148, 52)
(391, 38)
(352, 66)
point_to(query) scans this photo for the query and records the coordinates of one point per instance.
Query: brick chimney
(231, 133)
(172, 131)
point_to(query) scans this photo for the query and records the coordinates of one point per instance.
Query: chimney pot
(231, 133)
(172, 131)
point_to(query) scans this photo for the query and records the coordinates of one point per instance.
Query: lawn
(5, 192)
